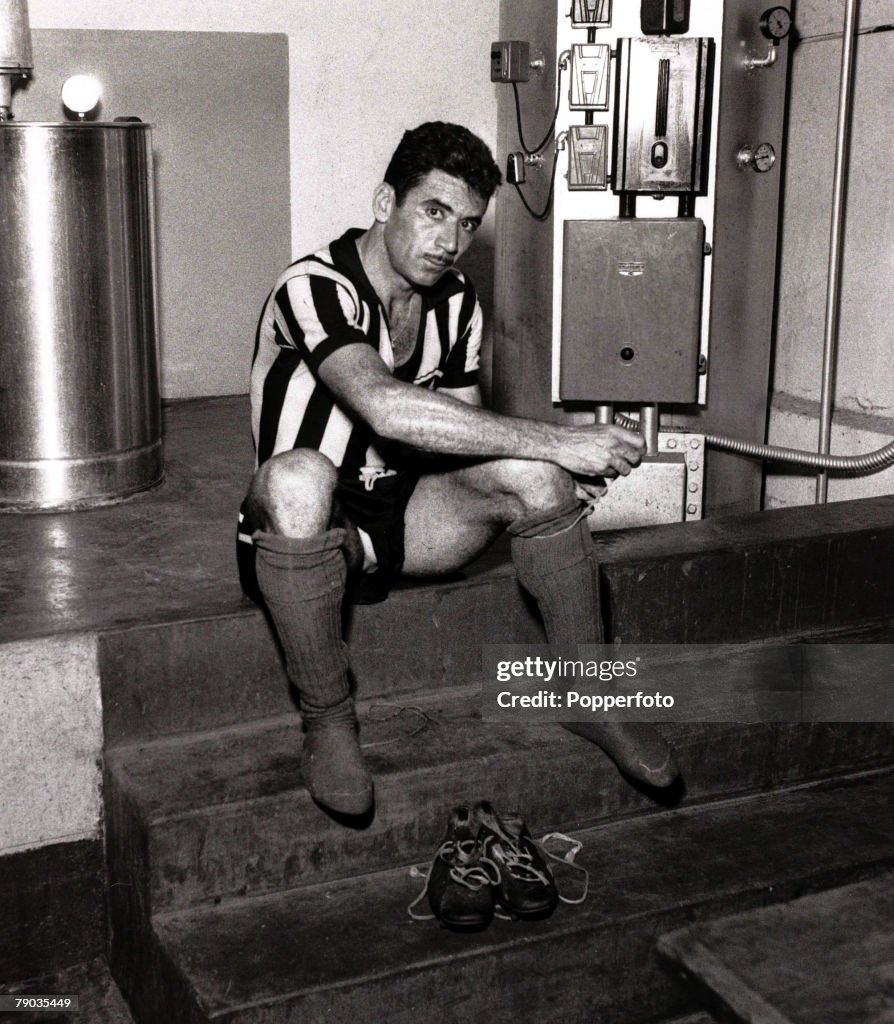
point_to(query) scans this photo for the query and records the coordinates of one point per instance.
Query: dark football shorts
(376, 504)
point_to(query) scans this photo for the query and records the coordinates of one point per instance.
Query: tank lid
(79, 126)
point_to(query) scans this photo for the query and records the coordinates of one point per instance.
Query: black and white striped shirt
(325, 301)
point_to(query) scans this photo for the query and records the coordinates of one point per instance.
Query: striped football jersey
(325, 301)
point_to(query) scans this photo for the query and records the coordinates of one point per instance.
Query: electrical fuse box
(591, 13)
(510, 61)
(588, 159)
(662, 120)
(590, 72)
(631, 310)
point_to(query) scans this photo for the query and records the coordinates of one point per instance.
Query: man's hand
(598, 450)
(590, 489)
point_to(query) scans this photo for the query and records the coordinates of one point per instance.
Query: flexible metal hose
(855, 464)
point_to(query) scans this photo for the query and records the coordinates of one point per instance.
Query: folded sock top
(549, 521)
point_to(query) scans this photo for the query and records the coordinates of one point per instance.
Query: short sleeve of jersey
(461, 367)
(318, 311)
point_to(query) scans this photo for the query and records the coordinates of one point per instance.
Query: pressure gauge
(764, 157)
(759, 158)
(776, 23)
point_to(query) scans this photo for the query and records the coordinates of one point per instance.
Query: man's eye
(470, 226)
(435, 211)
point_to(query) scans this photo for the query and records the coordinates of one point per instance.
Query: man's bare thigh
(452, 517)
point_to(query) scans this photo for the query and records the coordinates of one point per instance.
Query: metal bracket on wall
(665, 488)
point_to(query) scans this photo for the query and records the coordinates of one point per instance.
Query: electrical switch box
(664, 17)
(590, 69)
(631, 310)
(662, 116)
(591, 13)
(588, 159)
(510, 61)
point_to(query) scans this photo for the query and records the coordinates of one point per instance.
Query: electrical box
(631, 310)
(662, 115)
(510, 61)
(666, 110)
(590, 67)
(591, 13)
(588, 160)
(664, 17)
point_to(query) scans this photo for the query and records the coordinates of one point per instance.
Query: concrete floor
(152, 557)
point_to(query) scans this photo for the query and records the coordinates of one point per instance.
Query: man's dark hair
(439, 146)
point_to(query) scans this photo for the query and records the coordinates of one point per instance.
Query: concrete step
(821, 959)
(816, 573)
(225, 814)
(345, 951)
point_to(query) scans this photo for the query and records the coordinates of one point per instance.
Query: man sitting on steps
(375, 457)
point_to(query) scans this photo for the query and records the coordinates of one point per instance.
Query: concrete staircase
(823, 959)
(233, 898)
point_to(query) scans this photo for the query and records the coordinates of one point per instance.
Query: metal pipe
(5, 97)
(855, 464)
(15, 50)
(649, 420)
(605, 414)
(15, 37)
(836, 238)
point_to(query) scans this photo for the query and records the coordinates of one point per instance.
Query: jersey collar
(346, 257)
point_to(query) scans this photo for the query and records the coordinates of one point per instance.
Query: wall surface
(51, 887)
(864, 396)
(356, 81)
(51, 738)
(355, 84)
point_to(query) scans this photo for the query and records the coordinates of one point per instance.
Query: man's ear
(384, 201)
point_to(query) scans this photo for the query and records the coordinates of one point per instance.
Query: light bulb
(81, 94)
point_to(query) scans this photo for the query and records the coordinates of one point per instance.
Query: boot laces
(568, 857)
(516, 862)
(466, 869)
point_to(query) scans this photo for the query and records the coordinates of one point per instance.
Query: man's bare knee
(291, 493)
(528, 485)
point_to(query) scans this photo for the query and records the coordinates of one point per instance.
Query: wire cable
(562, 64)
(545, 212)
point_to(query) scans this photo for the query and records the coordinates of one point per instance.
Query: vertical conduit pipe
(649, 420)
(836, 238)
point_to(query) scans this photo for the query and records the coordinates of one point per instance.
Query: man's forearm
(439, 423)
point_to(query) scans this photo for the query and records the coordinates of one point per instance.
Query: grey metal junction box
(631, 310)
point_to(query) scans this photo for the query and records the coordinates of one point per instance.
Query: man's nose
(448, 238)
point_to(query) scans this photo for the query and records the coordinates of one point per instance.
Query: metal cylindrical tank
(80, 417)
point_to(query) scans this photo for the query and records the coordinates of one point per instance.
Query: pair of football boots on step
(489, 864)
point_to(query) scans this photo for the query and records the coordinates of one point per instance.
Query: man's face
(432, 227)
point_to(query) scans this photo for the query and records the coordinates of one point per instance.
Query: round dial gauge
(776, 23)
(764, 157)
